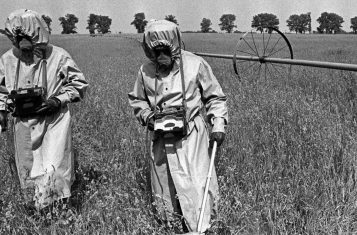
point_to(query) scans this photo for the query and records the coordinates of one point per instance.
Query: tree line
(329, 23)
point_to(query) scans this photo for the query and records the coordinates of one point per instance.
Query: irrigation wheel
(258, 46)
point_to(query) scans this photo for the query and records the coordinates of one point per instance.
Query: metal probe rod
(205, 195)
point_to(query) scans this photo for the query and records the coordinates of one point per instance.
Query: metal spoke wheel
(254, 48)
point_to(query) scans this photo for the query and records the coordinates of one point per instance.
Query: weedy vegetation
(288, 165)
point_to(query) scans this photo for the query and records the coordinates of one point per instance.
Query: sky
(189, 13)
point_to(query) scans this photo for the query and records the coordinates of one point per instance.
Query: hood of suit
(161, 33)
(27, 24)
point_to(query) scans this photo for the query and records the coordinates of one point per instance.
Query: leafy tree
(354, 24)
(99, 23)
(92, 20)
(48, 21)
(227, 22)
(171, 18)
(305, 23)
(103, 24)
(309, 21)
(68, 23)
(265, 21)
(329, 23)
(299, 23)
(139, 22)
(293, 23)
(205, 25)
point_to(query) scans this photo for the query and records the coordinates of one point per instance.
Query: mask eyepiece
(162, 49)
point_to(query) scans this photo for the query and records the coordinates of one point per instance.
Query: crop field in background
(288, 165)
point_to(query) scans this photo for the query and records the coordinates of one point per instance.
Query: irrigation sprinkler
(273, 54)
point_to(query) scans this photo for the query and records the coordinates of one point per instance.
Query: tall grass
(287, 165)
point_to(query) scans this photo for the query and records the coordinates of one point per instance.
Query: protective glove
(3, 120)
(51, 106)
(150, 122)
(218, 137)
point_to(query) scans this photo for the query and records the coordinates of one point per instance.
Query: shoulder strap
(183, 84)
(16, 84)
(181, 70)
(156, 78)
(44, 73)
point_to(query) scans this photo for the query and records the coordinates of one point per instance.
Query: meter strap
(181, 70)
(16, 84)
(156, 78)
(44, 74)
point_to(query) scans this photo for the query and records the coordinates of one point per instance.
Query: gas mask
(26, 48)
(163, 56)
(25, 45)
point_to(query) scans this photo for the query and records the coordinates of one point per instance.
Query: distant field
(288, 165)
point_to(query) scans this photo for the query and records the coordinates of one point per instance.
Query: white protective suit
(179, 165)
(43, 148)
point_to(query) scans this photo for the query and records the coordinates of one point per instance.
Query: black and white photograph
(231, 117)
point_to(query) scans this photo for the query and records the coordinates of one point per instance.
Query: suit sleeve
(74, 85)
(139, 101)
(213, 98)
(3, 90)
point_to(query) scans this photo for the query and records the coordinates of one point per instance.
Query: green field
(288, 165)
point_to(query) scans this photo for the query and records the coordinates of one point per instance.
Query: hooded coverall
(43, 147)
(179, 165)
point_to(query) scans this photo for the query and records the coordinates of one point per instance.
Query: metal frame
(264, 59)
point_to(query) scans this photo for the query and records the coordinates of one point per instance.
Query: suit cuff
(2, 106)
(218, 125)
(64, 98)
(145, 115)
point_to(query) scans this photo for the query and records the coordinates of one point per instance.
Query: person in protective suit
(169, 94)
(37, 82)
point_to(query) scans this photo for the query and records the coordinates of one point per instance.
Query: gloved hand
(51, 106)
(218, 137)
(150, 122)
(3, 120)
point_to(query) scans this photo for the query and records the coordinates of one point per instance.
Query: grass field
(288, 165)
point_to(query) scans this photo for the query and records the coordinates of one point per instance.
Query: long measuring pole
(205, 195)
(311, 63)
